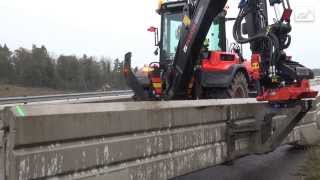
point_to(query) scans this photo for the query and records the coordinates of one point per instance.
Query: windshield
(213, 37)
(170, 38)
(171, 25)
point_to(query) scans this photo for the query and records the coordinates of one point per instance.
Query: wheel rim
(239, 93)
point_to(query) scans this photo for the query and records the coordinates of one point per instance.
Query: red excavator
(195, 63)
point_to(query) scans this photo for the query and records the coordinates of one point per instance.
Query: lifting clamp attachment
(269, 129)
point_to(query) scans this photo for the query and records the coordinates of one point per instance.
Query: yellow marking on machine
(255, 66)
(186, 21)
(157, 85)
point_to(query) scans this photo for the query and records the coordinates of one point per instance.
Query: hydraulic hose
(268, 36)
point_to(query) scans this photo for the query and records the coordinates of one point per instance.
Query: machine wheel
(197, 90)
(237, 89)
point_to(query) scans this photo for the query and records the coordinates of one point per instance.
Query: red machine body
(297, 91)
(219, 61)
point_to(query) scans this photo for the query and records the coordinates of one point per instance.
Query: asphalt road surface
(283, 164)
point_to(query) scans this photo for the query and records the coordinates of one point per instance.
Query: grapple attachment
(294, 92)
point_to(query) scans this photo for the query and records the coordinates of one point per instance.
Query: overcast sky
(111, 28)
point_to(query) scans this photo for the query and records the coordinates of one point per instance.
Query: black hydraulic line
(132, 80)
(259, 34)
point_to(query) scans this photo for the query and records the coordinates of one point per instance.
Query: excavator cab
(171, 23)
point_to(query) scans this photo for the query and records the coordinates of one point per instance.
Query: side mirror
(156, 34)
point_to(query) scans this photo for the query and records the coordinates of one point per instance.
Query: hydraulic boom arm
(196, 24)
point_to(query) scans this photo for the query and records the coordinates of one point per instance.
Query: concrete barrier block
(161, 167)
(242, 144)
(2, 164)
(294, 137)
(317, 118)
(50, 129)
(37, 162)
(145, 140)
(310, 134)
(1, 138)
(311, 117)
(1, 118)
(44, 124)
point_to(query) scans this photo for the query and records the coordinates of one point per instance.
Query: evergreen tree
(69, 73)
(36, 68)
(6, 67)
(43, 67)
(24, 68)
(92, 73)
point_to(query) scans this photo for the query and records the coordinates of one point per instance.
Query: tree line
(36, 68)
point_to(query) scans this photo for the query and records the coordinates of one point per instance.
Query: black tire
(237, 89)
(197, 91)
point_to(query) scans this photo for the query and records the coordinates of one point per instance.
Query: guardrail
(31, 99)
(315, 81)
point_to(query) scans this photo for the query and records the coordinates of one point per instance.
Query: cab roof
(172, 6)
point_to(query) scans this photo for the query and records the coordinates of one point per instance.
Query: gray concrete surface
(308, 131)
(145, 140)
(108, 151)
(1, 145)
(1, 164)
(160, 167)
(52, 140)
(40, 123)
